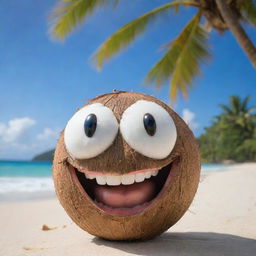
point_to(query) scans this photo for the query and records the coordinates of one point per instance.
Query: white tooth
(148, 174)
(139, 177)
(128, 179)
(101, 180)
(154, 173)
(90, 176)
(113, 180)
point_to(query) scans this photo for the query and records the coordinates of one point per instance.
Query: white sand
(221, 221)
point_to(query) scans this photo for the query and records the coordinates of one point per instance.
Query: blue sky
(42, 82)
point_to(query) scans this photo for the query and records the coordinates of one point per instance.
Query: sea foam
(25, 184)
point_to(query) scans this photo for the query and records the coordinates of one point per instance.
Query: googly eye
(149, 124)
(149, 129)
(90, 125)
(90, 131)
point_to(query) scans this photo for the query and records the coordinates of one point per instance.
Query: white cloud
(46, 139)
(48, 134)
(19, 140)
(189, 117)
(16, 131)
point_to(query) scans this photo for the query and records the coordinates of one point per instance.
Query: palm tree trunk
(237, 30)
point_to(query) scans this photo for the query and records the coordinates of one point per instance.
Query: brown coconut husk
(213, 15)
(120, 158)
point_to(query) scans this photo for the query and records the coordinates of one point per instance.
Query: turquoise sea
(23, 179)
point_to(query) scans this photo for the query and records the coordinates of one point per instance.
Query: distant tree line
(232, 135)
(44, 157)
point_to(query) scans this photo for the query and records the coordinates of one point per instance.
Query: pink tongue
(125, 195)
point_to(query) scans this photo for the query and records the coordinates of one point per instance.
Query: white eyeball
(149, 129)
(90, 131)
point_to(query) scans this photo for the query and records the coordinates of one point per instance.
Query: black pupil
(149, 124)
(90, 125)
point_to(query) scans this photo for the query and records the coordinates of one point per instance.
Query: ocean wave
(25, 184)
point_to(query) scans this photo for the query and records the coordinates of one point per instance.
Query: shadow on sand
(187, 244)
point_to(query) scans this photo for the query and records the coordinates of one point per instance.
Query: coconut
(168, 195)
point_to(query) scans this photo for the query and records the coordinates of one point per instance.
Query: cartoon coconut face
(126, 167)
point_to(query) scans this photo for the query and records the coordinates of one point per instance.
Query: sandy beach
(220, 221)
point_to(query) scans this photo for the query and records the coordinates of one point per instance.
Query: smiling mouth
(124, 195)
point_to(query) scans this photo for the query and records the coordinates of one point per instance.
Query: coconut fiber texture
(165, 210)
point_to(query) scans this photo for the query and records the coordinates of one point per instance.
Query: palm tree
(183, 55)
(238, 113)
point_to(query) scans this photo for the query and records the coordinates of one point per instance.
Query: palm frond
(245, 103)
(68, 14)
(248, 10)
(181, 62)
(226, 109)
(128, 33)
(245, 108)
(235, 103)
